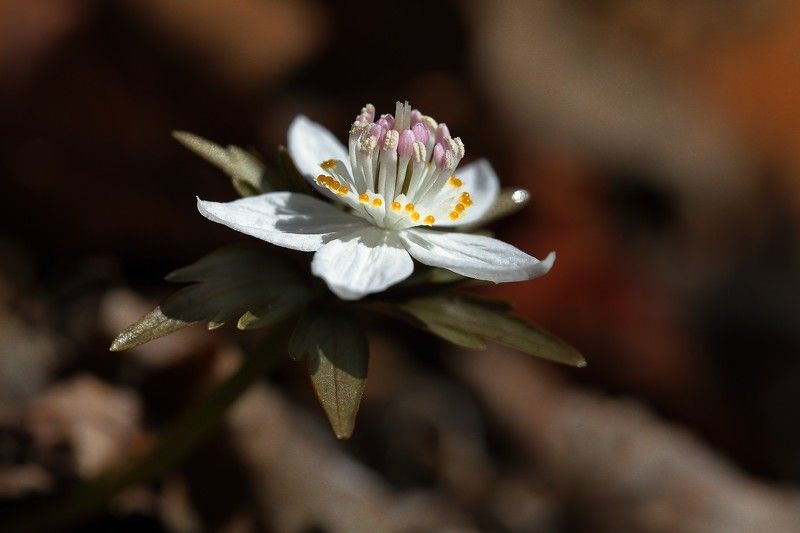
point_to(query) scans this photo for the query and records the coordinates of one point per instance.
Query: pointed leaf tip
(467, 321)
(337, 351)
(151, 326)
(244, 169)
(116, 345)
(226, 284)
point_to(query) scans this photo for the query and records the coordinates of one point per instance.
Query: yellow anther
(454, 181)
(429, 220)
(363, 198)
(415, 216)
(377, 202)
(454, 215)
(330, 183)
(329, 164)
(343, 190)
(395, 206)
(460, 208)
(410, 208)
(465, 199)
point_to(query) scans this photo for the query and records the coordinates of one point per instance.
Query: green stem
(186, 433)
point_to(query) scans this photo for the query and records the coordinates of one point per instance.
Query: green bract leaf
(436, 277)
(337, 351)
(295, 181)
(469, 321)
(243, 281)
(245, 170)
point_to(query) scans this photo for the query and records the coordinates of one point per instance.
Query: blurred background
(660, 140)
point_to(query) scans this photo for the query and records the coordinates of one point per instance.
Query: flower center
(403, 170)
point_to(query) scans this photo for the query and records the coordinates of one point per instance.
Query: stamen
(431, 126)
(420, 133)
(367, 113)
(387, 171)
(405, 145)
(450, 160)
(438, 155)
(371, 141)
(460, 150)
(430, 122)
(420, 153)
(358, 127)
(436, 180)
(390, 141)
(368, 156)
(442, 133)
(418, 169)
(405, 151)
(407, 161)
(386, 121)
(332, 185)
(327, 181)
(455, 147)
(329, 164)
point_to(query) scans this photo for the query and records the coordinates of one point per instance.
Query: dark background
(659, 140)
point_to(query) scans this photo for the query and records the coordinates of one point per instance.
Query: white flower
(397, 177)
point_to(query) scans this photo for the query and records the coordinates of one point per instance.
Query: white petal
(291, 220)
(475, 256)
(480, 181)
(366, 261)
(310, 144)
